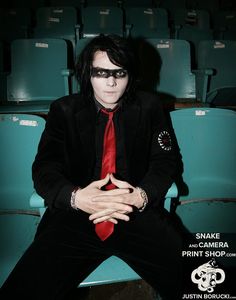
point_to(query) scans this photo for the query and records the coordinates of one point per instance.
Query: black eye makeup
(105, 73)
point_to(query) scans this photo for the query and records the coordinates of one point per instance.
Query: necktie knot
(110, 113)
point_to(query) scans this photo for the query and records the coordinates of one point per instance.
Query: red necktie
(106, 228)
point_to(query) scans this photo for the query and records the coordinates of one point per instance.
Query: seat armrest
(202, 79)
(66, 73)
(128, 28)
(37, 201)
(171, 193)
(78, 33)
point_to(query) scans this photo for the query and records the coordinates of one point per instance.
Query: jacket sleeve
(162, 160)
(48, 175)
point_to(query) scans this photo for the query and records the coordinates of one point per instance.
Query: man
(104, 164)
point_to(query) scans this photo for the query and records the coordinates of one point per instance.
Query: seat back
(194, 36)
(206, 138)
(194, 17)
(38, 70)
(220, 57)
(96, 19)
(19, 135)
(57, 22)
(166, 68)
(147, 22)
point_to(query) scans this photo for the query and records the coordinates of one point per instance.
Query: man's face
(108, 80)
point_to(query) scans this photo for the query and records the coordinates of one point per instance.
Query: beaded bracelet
(72, 199)
(144, 197)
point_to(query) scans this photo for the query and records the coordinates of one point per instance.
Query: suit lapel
(86, 128)
(131, 119)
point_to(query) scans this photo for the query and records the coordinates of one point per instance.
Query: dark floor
(133, 290)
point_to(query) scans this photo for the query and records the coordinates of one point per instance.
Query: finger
(114, 216)
(101, 214)
(115, 203)
(120, 216)
(115, 192)
(100, 183)
(116, 207)
(104, 219)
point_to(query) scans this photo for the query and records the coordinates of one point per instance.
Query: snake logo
(207, 276)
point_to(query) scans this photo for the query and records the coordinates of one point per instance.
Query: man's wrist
(144, 198)
(72, 199)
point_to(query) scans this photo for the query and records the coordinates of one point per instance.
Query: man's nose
(111, 81)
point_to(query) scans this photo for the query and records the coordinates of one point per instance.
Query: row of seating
(70, 23)
(165, 68)
(193, 4)
(205, 188)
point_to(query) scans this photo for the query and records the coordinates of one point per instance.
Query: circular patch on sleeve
(164, 140)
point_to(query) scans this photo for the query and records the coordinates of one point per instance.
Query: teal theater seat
(207, 189)
(147, 22)
(193, 26)
(99, 19)
(113, 269)
(39, 75)
(19, 134)
(206, 137)
(216, 72)
(194, 36)
(58, 22)
(166, 69)
(194, 17)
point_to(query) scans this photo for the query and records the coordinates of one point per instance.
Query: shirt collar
(99, 106)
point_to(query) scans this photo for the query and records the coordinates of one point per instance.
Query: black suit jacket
(66, 152)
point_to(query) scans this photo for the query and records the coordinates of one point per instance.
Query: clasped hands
(108, 205)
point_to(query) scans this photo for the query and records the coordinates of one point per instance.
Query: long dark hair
(120, 52)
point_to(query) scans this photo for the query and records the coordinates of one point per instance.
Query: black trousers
(66, 249)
